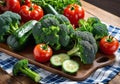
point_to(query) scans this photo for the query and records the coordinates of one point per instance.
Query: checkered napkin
(101, 75)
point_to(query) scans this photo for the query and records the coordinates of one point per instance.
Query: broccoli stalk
(99, 31)
(22, 67)
(13, 27)
(75, 50)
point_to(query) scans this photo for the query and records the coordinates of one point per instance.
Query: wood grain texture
(112, 6)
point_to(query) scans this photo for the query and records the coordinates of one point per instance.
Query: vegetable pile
(50, 27)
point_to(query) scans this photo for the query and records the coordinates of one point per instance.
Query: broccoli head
(95, 26)
(93, 20)
(54, 31)
(99, 30)
(85, 46)
(9, 23)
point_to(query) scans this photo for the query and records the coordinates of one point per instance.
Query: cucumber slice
(70, 66)
(57, 60)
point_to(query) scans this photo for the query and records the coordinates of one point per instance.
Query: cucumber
(70, 66)
(48, 9)
(57, 60)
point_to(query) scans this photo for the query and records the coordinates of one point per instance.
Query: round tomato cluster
(25, 8)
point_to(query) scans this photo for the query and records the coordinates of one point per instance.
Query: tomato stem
(110, 38)
(45, 47)
(72, 8)
(2, 3)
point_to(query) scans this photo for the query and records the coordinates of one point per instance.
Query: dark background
(112, 6)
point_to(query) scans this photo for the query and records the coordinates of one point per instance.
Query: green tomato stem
(45, 47)
(110, 38)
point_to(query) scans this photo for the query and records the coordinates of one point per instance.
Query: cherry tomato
(109, 45)
(11, 5)
(31, 12)
(42, 53)
(74, 12)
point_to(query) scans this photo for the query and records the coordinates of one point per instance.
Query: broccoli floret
(85, 47)
(63, 34)
(62, 19)
(9, 23)
(99, 30)
(49, 21)
(95, 26)
(84, 26)
(47, 35)
(53, 31)
(93, 20)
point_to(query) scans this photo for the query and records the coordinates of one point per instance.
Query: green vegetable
(99, 30)
(70, 66)
(48, 8)
(57, 59)
(85, 26)
(93, 20)
(85, 47)
(49, 21)
(22, 67)
(59, 5)
(19, 38)
(9, 23)
(62, 19)
(95, 26)
(51, 30)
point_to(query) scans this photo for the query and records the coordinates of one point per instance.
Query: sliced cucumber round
(57, 60)
(70, 66)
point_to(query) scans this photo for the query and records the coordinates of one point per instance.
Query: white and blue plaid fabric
(100, 76)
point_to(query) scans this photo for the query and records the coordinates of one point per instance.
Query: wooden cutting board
(84, 71)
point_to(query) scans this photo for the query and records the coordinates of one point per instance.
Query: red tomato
(74, 12)
(11, 5)
(42, 53)
(31, 12)
(28, 1)
(109, 45)
(25, 2)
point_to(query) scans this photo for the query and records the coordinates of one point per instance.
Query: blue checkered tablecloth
(101, 75)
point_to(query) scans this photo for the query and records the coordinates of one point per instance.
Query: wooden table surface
(90, 10)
